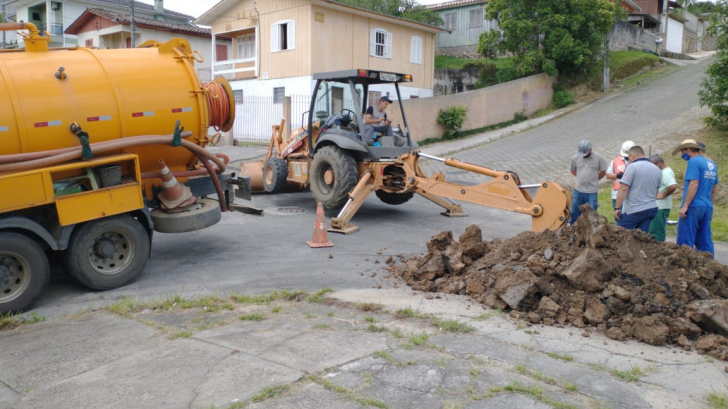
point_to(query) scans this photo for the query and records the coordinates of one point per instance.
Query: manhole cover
(287, 210)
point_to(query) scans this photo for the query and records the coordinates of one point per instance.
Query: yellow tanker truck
(98, 149)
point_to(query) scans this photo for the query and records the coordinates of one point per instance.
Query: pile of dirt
(592, 274)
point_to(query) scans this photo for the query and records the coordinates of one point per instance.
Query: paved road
(645, 115)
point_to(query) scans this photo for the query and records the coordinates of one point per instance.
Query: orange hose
(187, 173)
(217, 102)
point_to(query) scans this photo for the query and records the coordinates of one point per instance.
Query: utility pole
(133, 26)
(606, 64)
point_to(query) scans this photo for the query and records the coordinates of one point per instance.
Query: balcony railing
(229, 68)
(56, 29)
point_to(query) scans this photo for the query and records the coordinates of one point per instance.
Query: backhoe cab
(329, 156)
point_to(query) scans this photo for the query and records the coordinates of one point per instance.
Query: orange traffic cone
(320, 238)
(174, 196)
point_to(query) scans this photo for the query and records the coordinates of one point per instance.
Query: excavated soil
(589, 275)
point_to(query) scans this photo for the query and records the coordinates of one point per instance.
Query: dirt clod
(592, 275)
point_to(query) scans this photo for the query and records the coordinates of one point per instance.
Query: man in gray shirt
(375, 120)
(588, 167)
(637, 192)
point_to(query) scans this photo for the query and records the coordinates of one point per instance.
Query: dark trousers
(640, 220)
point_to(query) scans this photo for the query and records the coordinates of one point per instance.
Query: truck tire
(108, 253)
(394, 198)
(204, 213)
(275, 174)
(332, 176)
(24, 272)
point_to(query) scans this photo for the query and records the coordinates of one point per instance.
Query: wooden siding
(463, 34)
(341, 42)
(289, 63)
(243, 14)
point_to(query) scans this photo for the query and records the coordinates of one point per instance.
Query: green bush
(453, 119)
(563, 99)
(520, 117)
(508, 74)
(488, 76)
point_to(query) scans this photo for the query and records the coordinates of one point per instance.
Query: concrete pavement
(339, 353)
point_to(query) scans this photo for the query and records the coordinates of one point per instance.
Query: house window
(380, 43)
(416, 50)
(476, 18)
(246, 46)
(36, 16)
(451, 21)
(278, 94)
(283, 36)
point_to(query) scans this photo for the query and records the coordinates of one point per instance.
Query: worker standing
(658, 226)
(616, 168)
(701, 186)
(637, 192)
(588, 167)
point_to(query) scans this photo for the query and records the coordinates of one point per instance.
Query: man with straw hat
(701, 186)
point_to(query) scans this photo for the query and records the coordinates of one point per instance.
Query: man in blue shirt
(701, 186)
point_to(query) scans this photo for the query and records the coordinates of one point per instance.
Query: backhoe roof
(371, 77)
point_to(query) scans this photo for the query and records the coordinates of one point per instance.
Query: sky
(195, 8)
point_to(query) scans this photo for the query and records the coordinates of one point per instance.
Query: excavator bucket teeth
(555, 202)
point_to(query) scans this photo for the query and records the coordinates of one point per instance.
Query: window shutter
(416, 50)
(373, 42)
(388, 48)
(274, 41)
(419, 50)
(291, 35)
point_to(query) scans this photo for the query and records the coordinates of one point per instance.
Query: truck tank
(111, 94)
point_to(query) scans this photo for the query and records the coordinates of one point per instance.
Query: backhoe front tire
(108, 253)
(394, 198)
(24, 272)
(275, 175)
(332, 176)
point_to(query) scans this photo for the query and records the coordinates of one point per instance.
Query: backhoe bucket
(254, 170)
(555, 202)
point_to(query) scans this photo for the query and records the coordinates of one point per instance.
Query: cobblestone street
(656, 116)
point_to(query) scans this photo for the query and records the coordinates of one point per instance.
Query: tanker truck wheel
(394, 198)
(333, 175)
(24, 272)
(275, 174)
(108, 253)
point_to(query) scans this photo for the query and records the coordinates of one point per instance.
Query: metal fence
(255, 115)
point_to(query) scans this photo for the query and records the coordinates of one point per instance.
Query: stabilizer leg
(340, 223)
(452, 209)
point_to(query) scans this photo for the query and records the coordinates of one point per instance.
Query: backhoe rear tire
(332, 176)
(275, 174)
(108, 253)
(24, 272)
(394, 198)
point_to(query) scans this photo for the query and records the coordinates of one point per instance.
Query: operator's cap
(584, 147)
(687, 143)
(385, 98)
(626, 146)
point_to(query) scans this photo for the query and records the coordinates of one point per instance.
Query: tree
(407, 9)
(702, 7)
(490, 43)
(713, 91)
(554, 36)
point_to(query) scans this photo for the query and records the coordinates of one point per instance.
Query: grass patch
(452, 326)
(717, 400)
(408, 313)
(269, 298)
(397, 334)
(348, 394)
(180, 334)
(10, 321)
(322, 326)
(419, 339)
(538, 394)
(376, 328)
(563, 357)
(276, 309)
(623, 64)
(517, 118)
(124, 307)
(634, 374)
(570, 387)
(318, 296)
(369, 319)
(370, 307)
(269, 393)
(382, 354)
(251, 317)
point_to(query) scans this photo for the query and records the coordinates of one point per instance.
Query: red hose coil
(218, 104)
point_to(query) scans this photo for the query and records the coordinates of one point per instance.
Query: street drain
(287, 210)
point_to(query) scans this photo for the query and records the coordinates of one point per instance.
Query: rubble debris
(592, 275)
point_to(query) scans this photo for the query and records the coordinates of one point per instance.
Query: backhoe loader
(329, 157)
